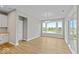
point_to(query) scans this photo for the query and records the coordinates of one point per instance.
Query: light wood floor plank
(42, 45)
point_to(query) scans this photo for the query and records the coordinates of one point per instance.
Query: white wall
(34, 28)
(12, 27)
(33, 25)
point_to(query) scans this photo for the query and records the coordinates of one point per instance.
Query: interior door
(20, 29)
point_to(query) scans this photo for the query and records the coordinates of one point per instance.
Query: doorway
(22, 28)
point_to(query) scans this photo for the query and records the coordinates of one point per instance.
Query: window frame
(50, 21)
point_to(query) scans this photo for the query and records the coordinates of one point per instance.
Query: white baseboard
(32, 38)
(14, 43)
(73, 52)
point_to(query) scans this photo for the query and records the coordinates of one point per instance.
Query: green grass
(73, 33)
(59, 30)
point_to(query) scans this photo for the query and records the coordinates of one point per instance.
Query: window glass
(60, 27)
(43, 27)
(73, 34)
(73, 28)
(55, 27)
(51, 27)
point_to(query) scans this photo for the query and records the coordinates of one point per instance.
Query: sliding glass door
(73, 34)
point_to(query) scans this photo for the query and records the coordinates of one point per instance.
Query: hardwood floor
(42, 45)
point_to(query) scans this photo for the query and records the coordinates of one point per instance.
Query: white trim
(72, 51)
(33, 38)
(14, 43)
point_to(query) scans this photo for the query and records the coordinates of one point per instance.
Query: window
(51, 27)
(73, 28)
(73, 34)
(54, 27)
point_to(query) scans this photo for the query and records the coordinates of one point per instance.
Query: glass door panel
(73, 34)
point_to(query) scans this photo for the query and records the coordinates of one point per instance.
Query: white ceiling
(43, 11)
